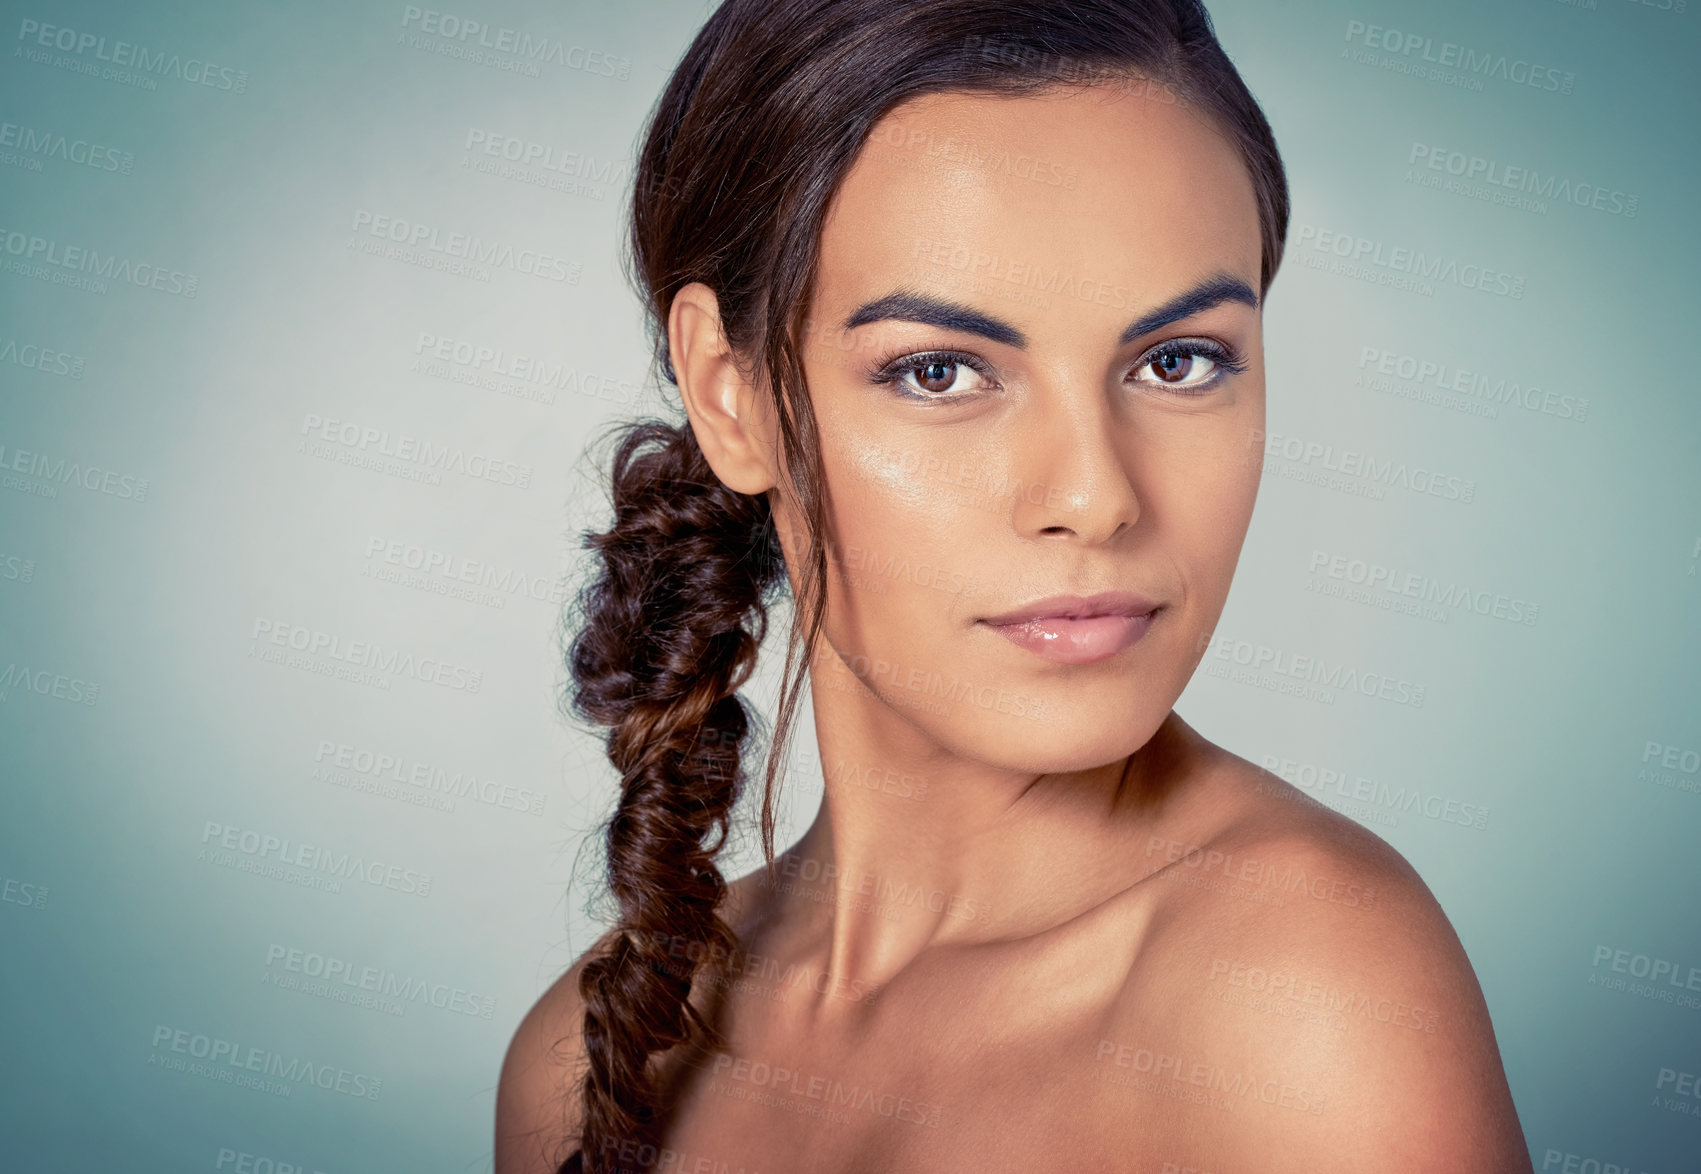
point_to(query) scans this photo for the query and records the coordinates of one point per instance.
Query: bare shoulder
(537, 1094)
(1304, 982)
(538, 1106)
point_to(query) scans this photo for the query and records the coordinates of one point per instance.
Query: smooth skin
(1039, 922)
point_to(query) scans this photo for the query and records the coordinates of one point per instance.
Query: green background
(121, 919)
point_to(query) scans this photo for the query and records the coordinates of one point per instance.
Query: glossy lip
(1074, 629)
(1076, 607)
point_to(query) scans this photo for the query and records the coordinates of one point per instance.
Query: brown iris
(1173, 368)
(927, 380)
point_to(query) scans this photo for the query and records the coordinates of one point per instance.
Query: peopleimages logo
(346, 981)
(47, 473)
(29, 894)
(1665, 765)
(1524, 180)
(1678, 1092)
(1414, 585)
(244, 1162)
(1190, 1070)
(1373, 472)
(1447, 55)
(825, 1090)
(1491, 390)
(229, 1061)
(1565, 1162)
(360, 655)
(1027, 273)
(47, 360)
(249, 850)
(1320, 993)
(367, 446)
(333, 760)
(1406, 265)
(50, 256)
(475, 41)
(1311, 670)
(527, 153)
(413, 234)
(15, 568)
(514, 373)
(33, 36)
(443, 572)
(1671, 972)
(1324, 782)
(38, 143)
(45, 683)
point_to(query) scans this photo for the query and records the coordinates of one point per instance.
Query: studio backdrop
(310, 311)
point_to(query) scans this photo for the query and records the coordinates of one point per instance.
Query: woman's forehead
(961, 194)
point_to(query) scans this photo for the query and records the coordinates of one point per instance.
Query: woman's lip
(1075, 640)
(1105, 603)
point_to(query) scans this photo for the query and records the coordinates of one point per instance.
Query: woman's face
(1036, 372)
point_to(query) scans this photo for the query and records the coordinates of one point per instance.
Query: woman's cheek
(881, 477)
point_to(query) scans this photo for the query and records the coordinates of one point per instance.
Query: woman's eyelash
(887, 375)
(1229, 361)
(1225, 356)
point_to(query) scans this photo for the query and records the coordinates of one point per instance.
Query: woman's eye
(938, 376)
(1182, 369)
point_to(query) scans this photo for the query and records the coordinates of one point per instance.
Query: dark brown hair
(744, 151)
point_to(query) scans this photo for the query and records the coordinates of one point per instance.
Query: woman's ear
(731, 418)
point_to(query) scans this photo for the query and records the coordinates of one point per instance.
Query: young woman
(962, 299)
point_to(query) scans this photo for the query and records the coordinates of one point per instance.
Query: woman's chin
(1065, 739)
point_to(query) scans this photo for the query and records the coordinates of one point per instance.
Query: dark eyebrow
(1213, 291)
(909, 306)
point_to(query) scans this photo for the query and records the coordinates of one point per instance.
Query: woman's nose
(1072, 473)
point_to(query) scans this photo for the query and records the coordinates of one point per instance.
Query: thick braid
(670, 630)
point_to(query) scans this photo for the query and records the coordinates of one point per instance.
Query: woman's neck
(916, 847)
